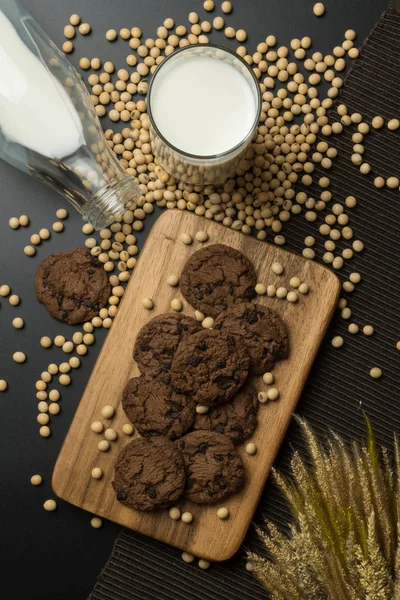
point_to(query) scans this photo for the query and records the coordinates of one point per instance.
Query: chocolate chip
(122, 496)
(174, 414)
(224, 382)
(194, 361)
(202, 346)
(209, 288)
(251, 317)
(251, 293)
(203, 448)
(151, 492)
(222, 484)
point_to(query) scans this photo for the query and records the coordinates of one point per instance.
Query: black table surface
(58, 555)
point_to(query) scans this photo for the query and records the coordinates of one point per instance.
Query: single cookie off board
(162, 255)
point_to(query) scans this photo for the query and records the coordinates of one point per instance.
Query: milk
(202, 106)
(35, 110)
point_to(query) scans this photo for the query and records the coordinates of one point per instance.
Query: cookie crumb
(223, 513)
(3, 385)
(201, 409)
(199, 316)
(204, 564)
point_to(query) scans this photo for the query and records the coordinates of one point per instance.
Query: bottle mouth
(109, 204)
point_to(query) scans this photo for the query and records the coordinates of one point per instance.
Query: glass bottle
(48, 125)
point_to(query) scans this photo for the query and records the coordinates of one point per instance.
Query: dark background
(58, 555)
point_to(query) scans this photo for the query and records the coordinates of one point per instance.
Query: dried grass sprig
(343, 543)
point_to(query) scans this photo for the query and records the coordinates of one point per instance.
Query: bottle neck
(109, 203)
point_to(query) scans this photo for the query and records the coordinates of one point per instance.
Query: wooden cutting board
(164, 254)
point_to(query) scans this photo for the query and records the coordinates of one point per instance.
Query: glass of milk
(48, 126)
(204, 104)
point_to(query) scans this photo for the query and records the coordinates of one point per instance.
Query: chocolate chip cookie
(156, 409)
(72, 285)
(210, 366)
(214, 470)
(216, 277)
(149, 473)
(236, 419)
(158, 341)
(262, 330)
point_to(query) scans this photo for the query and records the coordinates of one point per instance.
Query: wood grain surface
(164, 254)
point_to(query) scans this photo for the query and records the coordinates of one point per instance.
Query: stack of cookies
(194, 401)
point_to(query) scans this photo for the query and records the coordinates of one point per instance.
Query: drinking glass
(198, 169)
